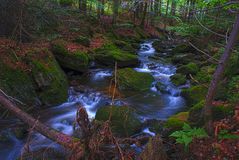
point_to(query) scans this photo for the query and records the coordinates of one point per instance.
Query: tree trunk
(167, 8)
(207, 113)
(144, 14)
(115, 10)
(173, 8)
(62, 139)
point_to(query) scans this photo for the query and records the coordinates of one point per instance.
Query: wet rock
(109, 54)
(176, 121)
(123, 120)
(17, 83)
(178, 79)
(154, 150)
(77, 60)
(50, 80)
(194, 94)
(125, 46)
(20, 132)
(154, 125)
(129, 79)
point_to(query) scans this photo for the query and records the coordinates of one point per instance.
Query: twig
(218, 34)
(198, 81)
(11, 98)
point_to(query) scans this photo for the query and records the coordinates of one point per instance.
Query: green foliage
(178, 79)
(187, 134)
(66, 2)
(224, 134)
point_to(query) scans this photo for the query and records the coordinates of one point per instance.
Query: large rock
(109, 54)
(77, 60)
(182, 48)
(123, 120)
(194, 94)
(51, 81)
(129, 79)
(17, 83)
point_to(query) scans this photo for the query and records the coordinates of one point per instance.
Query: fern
(187, 134)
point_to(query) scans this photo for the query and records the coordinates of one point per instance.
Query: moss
(50, 79)
(78, 61)
(109, 54)
(178, 79)
(194, 94)
(182, 58)
(18, 84)
(83, 40)
(190, 68)
(195, 118)
(125, 46)
(233, 90)
(129, 79)
(205, 74)
(177, 121)
(123, 121)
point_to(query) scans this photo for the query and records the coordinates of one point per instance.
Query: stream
(158, 103)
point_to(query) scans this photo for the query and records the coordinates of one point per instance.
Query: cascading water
(158, 103)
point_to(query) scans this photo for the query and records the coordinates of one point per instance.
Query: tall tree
(116, 4)
(218, 75)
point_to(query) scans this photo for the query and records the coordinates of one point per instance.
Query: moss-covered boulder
(51, 81)
(109, 54)
(182, 58)
(17, 83)
(178, 79)
(190, 68)
(83, 41)
(77, 60)
(194, 94)
(129, 79)
(123, 120)
(176, 121)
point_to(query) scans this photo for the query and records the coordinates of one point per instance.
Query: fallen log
(72, 144)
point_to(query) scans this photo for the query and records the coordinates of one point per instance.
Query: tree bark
(144, 14)
(218, 75)
(67, 141)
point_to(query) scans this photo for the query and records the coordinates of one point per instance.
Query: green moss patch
(50, 79)
(129, 79)
(18, 84)
(78, 61)
(123, 121)
(109, 54)
(178, 79)
(177, 121)
(190, 68)
(83, 40)
(194, 94)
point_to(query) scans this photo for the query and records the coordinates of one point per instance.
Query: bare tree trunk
(115, 10)
(173, 7)
(167, 8)
(144, 14)
(62, 139)
(207, 114)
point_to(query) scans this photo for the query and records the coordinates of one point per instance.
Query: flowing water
(158, 103)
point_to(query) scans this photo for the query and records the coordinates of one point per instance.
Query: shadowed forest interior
(119, 79)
